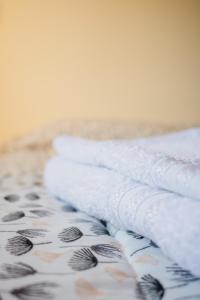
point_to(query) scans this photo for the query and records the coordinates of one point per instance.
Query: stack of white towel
(150, 186)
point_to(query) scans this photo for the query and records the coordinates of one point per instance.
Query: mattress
(49, 250)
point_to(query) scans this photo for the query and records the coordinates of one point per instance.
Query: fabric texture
(40, 237)
(158, 276)
(48, 249)
(97, 177)
(21, 170)
(170, 162)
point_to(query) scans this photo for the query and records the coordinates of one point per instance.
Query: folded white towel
(171, 162)
(172, 221)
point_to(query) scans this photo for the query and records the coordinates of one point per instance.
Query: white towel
(170, 220)
(171, 162)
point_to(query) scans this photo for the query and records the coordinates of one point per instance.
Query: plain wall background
(95, 59)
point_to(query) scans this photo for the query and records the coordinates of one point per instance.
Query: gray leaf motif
(84, 259)
(151, 287)
(18, 270)
(12, 198)
(31, 233)
(70, 234)
(106, 250)
(20, 245)
(13, 216)
(99, 229)
(41, 213)
(32, 196)
(151, 244)
(68, 208)
(35, 291)
(135, 235)
(181, 275)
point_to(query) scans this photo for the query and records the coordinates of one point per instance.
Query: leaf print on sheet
(47, 256)
(118, 274)
(32, 196)
(18, 270)
(41, 213)
(84, 259)
(20, 214)
(30, 233)
(85, 290)
(12, 198)
(35, 291)
(135, 235)
(151, 287)
(13, 216)
(71, 234)
(20, 245)
(181, 275)
(106, 250)
(30, 205)
(151, 244)
(68, 208)
(99, 229)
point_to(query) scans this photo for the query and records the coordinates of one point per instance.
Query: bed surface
(49, 250)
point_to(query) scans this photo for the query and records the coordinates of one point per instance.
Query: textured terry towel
(171, 162)
(170, 220)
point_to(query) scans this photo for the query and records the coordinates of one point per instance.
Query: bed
(49, 250)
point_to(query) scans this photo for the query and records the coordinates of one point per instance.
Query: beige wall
(129, 59)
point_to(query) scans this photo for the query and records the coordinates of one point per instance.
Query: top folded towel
(170, 162)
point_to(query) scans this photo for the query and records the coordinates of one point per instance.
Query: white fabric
(169, 220)
(171, 162)
(172, 221)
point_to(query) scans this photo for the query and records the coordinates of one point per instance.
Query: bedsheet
(159, 277)
(49, 250)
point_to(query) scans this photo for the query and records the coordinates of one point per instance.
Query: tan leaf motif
(118, 274)
(147, 259)
(39, 223)
(47, 256)
(85, 290)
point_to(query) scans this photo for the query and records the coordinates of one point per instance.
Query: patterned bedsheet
(49, 250)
